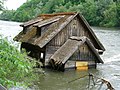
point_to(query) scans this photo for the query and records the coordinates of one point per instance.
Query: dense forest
(97, 12)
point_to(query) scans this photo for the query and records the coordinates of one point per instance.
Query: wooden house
(76, 52)
(46, 36)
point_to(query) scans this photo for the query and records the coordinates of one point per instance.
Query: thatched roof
(62, 55)
(58, 22)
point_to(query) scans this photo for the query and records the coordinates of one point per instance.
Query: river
(53, 80)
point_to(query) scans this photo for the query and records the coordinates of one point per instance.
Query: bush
(14, 66)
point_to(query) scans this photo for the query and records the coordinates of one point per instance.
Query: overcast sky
(13, 4)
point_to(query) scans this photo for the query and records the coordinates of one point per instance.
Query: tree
(7, 15)
(60, 9)
(102, 5)
(110, 16)
(118, 12)
(90, 12)
(49, 7)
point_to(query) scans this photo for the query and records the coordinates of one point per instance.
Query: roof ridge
(56, 14)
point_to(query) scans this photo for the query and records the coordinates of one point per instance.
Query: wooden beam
(46, 22)
(33, 21)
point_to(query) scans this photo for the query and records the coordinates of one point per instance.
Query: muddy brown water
(53, 80)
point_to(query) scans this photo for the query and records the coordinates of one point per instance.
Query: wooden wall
(41, 30)
(44, 29)
(74, 28)
(83, 54)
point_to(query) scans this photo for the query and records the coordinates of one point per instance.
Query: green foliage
(110, 16)
(27, 11)
(118, 12)
(90, 11)
(97, 12)
(14, 66)
(1, 5)
(7, 15)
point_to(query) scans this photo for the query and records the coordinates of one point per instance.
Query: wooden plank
(44, 29)
(33, 21)
(57, 14)
(77, 23)
(47, 21)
